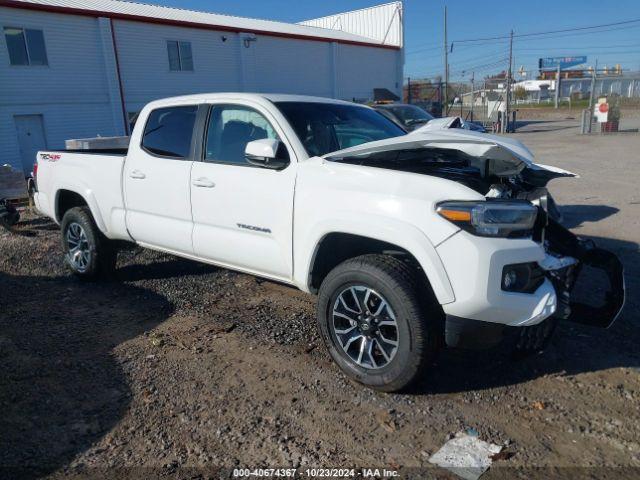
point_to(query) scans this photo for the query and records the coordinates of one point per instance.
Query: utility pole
(592, 95)
(557, 97)
(473, 100)
(446, 64)
(505, 120)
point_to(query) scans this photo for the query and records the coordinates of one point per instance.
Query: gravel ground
(174, 369)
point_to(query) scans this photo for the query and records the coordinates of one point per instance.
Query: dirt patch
(174, 366)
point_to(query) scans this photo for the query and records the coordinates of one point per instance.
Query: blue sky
(471, 19)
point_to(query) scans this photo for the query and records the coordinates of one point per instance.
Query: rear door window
(169, 131)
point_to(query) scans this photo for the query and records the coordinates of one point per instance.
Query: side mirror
(267, 153)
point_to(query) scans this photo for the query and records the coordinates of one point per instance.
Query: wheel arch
(67, 198)
(334, 246)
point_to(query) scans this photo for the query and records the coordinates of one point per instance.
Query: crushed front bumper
(563, 244)
(564, 260)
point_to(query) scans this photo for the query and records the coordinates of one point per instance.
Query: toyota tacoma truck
(411, 242)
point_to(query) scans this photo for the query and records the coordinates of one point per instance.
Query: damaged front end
(567, 255)
(502, 168)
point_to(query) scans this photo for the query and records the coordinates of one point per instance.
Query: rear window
(168, 131)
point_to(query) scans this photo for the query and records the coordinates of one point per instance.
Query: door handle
(137, 174)
(203, 182)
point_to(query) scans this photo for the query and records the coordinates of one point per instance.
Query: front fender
(404, 235)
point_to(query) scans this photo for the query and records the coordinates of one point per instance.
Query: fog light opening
(509, 279)
(522, 277)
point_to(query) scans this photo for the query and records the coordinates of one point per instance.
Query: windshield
(328, 127)
(411, 114)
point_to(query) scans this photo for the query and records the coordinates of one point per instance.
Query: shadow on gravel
(533, 126)
(162, 270)
(575, 215)
(60, 387)
(573, 349)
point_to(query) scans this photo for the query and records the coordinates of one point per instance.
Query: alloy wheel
(78, 250)
(365, 326)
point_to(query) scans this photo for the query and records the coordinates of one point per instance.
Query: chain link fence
(483, 101)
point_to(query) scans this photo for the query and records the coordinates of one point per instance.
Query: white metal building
(82, 68)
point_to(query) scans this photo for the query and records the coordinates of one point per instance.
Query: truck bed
(95, 174)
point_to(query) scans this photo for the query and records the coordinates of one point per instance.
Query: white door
(31, 138)
(157, 180)
(242, 214)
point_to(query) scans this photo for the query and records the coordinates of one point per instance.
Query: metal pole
(472, 93)
(557, 99)
(446, 64)
(505, 122)
(592, 95)
(409, 90)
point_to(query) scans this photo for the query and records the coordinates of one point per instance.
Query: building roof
(383, 23)
(125, 10)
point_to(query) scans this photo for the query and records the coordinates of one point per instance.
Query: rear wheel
(375, 321)
(87, 252)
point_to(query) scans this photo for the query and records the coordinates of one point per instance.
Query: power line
(504, 41)
(533, 34)
(582, 47)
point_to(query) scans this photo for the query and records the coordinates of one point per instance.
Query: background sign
(601, 110)
(551, 63)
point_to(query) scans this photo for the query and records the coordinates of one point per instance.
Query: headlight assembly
(492, 218)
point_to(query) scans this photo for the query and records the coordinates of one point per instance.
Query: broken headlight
(493, 218)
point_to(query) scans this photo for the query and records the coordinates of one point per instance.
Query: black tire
(417, 318)
(101, 253)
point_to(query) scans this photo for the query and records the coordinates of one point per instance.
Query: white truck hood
(505, 156)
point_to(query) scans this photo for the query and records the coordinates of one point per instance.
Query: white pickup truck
(410, 241)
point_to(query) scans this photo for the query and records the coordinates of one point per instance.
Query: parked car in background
(412, 117)
(410, 241)
(409, 117)
(433, 107)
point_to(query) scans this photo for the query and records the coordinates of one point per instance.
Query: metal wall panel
(361, 69)
(71, 92)
(382, 23)
(144, 62)
(290, 66)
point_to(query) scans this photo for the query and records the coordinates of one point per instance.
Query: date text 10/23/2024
(316, 472)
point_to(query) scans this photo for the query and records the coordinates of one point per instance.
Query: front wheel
(376, 322)
(87, 252)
